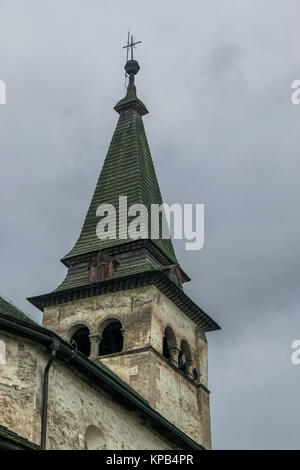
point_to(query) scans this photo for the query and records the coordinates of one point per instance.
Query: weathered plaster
(145, 313)
(74, 404)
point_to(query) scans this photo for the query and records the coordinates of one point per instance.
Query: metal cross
(131, 43)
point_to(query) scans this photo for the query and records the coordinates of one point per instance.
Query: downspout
(54, 346)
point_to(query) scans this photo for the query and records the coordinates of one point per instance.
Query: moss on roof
(131, 99)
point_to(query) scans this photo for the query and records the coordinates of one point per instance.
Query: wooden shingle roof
(128, 170)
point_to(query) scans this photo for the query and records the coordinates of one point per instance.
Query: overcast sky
(216, 77)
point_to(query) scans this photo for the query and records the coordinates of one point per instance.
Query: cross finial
(131, 43)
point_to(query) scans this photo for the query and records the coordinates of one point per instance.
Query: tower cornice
(157, 278)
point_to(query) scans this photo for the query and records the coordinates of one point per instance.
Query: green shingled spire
(127, 171)
(97, 266)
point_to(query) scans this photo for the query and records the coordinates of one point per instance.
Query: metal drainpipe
(54, 346)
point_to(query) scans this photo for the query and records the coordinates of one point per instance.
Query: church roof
(10, 310)
(128, 170)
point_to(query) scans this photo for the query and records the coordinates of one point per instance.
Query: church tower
(122, 301)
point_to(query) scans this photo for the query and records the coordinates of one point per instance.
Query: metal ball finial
(132, 67)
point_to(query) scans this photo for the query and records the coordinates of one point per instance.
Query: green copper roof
(127, 171)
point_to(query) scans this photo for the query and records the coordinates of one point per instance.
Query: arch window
(169, 343)
(166, 352)
(184, 357)
(82, 340)
(112, 339)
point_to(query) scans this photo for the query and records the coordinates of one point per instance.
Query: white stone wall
(145, 313)
(74, 405)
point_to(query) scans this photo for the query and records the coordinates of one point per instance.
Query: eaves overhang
(156, 278)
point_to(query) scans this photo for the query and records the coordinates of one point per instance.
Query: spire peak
(131, 43)
(132, 66)
(131, 69)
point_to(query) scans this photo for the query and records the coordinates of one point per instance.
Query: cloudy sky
(216, 77)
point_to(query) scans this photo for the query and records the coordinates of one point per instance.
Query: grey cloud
(216, 77)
